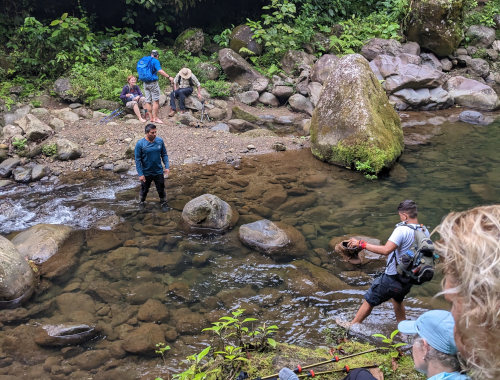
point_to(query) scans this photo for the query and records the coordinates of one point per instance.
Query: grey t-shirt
(403, 237)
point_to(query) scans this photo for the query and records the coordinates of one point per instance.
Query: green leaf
(394, 333)
(249, 320)
(64, 15)
(271, 342)
(379, 336)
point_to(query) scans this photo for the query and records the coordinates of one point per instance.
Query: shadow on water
(201, 278)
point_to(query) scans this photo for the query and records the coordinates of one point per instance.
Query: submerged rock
(64, 335)
(278, 240)
(39, 243)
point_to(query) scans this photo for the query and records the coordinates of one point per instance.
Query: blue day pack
(145, 69)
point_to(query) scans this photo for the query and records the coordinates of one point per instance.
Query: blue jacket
(148, 157)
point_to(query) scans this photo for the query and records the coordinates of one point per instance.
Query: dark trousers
(181, 94)
(159, 183)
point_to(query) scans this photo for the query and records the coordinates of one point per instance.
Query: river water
(201, 278)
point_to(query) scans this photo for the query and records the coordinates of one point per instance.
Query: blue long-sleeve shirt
(149, 155)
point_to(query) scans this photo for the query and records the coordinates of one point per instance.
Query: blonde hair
(470, 246)
(130, 77)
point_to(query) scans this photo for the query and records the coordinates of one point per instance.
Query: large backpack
(145, 69)
(417, 264)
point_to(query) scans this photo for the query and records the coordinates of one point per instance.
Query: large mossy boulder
(436, 25)
(242, 37)
(190, 40)
(353, 124)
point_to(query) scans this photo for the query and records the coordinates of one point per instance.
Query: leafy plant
(481, 16)
(276, 31)
(390, 340)
(217, 89)
(231, 330)
(356, 31)
(49, 149)
(19, 143)
(49, 50)
(161, 348)
(222, 39)
(196, 371)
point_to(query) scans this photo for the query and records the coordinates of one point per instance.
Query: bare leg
(147, 106)
(399, 310)
(138, 113)
(364, 311)
(155, 110)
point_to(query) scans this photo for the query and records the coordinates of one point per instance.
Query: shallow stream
(201, 278)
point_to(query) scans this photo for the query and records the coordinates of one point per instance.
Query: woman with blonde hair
(470, 246)
(132, 97)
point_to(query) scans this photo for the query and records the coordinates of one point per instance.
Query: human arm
(164, 157)
(124, 95)
(165, 75)
(138, 161)
(197, 83)
(380, 249)
(138, 92)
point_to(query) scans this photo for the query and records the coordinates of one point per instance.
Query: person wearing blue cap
(434, 350)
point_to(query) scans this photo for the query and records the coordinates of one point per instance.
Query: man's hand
(166, 172)
(142, 178)
(353, 243)
(199, 96)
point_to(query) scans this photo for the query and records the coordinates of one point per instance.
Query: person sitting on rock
(132, 97)
(183, 87)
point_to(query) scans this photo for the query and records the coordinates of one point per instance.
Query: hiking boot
(172, 113)
(183, 111)
(142, 205)
(164, 206)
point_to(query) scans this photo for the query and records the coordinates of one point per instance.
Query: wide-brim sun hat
(185, 73)
(436, 327)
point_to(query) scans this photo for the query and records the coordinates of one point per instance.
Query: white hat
(185, 73)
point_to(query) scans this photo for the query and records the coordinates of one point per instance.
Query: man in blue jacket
(150, 151)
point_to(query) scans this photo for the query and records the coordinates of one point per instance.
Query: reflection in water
(200, 278)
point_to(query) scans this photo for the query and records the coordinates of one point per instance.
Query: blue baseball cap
(436, 327)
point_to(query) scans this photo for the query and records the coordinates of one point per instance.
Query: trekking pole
(333, 360)
(346, 369)
(112, 115)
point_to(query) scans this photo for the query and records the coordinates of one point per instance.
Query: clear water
(457, 168)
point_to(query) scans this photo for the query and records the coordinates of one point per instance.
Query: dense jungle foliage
(98, 43)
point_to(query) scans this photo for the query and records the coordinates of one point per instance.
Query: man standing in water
(389, 286)
(149, 153)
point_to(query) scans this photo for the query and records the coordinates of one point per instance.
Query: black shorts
(386, 287)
